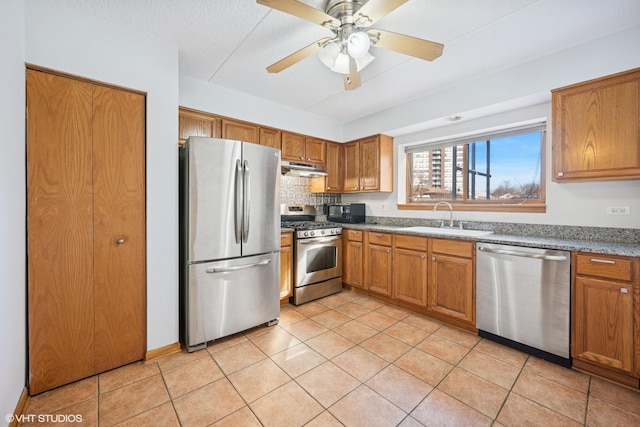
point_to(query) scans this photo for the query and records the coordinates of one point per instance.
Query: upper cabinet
(368, 164)
(270, 137)
(596, 129)
(303, 149)
(192, 123)
(241, 131)
(332, 183)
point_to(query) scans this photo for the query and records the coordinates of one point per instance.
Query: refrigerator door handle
(247, 202)
(238, 267)
(238, 207)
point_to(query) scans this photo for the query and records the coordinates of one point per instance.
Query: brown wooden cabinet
(332, 183)
(270, 137)
(410, 269)
(596, 135)
(606, 297)
(378, 257)
(238, 130)
(85, 229)
(286, 266)
(353, 258)
(303, 149)
(368, 165)
(193, 123)
(451, 290)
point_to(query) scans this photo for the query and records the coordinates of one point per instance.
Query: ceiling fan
(347, 52)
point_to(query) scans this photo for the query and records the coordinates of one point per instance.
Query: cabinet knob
(358, 245)
(120, 241)
(433, 258)
(624, 290)
(388, 251)
(560, 173)
(422, 257)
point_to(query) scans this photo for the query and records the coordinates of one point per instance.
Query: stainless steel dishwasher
(523, 299)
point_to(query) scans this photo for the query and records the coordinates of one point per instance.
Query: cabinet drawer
(353, 235)
(383, 239)
(411, 242)
(452, 247)
(286, 239)
(603, 266)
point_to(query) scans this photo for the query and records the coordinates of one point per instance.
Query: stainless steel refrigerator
(229, 238)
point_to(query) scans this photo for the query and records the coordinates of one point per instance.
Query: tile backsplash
(297, 190)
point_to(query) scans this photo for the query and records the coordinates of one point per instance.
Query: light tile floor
(349, 360)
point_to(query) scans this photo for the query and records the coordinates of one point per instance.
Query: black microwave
(348, 212)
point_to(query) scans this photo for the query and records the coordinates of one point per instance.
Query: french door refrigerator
(229, 238)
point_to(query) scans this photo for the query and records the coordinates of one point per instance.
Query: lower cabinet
(378, 263)
(431, 276)
(353, 257)
(451, 283)
(286, 266)
(606, 300)
(410, 269)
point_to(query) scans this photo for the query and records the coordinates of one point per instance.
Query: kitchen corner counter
(594, 246)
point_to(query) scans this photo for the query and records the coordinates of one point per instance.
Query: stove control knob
(306, 233)
(322, 232)
(312, 233)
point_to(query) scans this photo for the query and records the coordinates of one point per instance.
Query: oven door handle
(314, 241)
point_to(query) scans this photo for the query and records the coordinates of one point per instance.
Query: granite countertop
(594, 246)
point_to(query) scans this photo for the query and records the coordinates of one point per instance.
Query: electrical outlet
(618, 210)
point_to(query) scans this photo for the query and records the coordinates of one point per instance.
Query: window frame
(524, 206)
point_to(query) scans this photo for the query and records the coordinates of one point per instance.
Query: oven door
(318, 259)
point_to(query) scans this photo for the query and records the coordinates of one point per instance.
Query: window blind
(480, 136)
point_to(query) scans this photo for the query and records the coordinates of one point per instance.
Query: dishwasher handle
(523, 254)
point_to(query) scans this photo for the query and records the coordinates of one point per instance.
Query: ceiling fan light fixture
(342, 64)
(329, 53)
(362, 62)
(358, 44)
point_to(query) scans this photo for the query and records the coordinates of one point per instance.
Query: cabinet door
(119, 227)
(59, 231)
(450, 288)
(378, 269)
(286, 265)
(352, 268)
(370, 164)
(197, 124)
(293, 147)
(241, 131)
(595, 129)
(410, 276)
(334, 177)
(351, 167)
(270, 137)
(603, 323)
(315, 150)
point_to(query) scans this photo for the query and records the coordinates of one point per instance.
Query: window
(491, 169)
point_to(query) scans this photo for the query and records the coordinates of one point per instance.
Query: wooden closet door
(59, 231)
(119, 227)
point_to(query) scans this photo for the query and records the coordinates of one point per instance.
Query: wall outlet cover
(618, 210)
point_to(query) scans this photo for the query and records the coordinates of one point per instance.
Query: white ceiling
(231, 42)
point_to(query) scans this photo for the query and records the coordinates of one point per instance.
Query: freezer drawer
(226, 297)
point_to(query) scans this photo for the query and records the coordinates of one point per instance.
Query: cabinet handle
(603, 261)
(624, 290)
(120, 241)
(560, 173)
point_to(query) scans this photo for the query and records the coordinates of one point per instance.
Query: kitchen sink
(448, 231)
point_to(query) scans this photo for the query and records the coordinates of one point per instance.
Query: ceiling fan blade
(352, 80)
(419, 48)
(297, 56)
(301, 10)
(374, 10)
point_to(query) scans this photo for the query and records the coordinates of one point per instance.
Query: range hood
(302, 170)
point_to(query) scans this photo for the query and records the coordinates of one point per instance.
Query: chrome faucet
(435, 207)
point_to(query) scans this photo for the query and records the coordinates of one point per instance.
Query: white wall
(73, 43)
(582, 204)
(12, 206)
(211, 98)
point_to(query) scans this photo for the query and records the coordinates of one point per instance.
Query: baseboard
(162, 351)
(20, 407)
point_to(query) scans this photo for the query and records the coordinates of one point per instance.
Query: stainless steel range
(317, 254)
